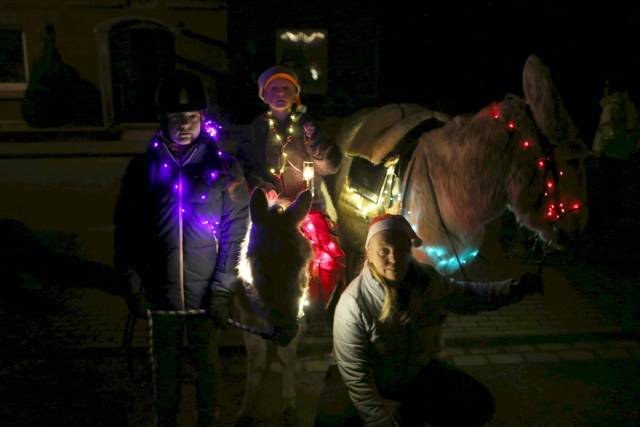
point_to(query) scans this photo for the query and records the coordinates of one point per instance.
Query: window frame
(12, 89)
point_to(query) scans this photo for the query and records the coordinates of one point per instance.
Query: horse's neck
(450, 199)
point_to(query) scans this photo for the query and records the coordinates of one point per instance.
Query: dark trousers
(439, 394)
(203, 341)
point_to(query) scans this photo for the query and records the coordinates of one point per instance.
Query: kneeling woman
(387, 334)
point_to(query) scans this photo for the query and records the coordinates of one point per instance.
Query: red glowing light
(511, 125)
(550, 185)
(495, 112)
(541, 164)
(575, 206)
(561, 173)
(525, 144)
(310, 226)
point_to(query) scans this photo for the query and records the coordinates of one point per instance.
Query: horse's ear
(258, 205)
(544, 100)
(300, 207)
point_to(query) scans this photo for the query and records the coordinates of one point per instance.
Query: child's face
(184, 128)
(280, 95)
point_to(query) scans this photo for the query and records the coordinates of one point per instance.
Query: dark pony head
(274, 260)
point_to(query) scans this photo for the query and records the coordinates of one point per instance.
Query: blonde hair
(389, 305)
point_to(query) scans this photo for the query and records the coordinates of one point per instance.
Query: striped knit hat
(278, 72)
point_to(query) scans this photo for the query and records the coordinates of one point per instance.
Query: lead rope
(152, 361)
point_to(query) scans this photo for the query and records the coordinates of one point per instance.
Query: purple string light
(212, 128)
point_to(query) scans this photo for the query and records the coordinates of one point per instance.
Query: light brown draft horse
(273, 269)
(522, 154)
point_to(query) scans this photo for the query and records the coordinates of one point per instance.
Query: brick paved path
(561, 325)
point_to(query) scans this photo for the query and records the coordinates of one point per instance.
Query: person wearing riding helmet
(387, 337)
(281, 139)
(180, 218)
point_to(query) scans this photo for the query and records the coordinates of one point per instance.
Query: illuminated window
(306, 52)
(13, 63)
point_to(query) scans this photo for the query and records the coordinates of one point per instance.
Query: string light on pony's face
(495, 111)
(555, 208)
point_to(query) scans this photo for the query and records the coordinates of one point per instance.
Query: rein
(430, 124)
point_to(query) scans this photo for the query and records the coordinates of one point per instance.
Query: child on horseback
(282, 140)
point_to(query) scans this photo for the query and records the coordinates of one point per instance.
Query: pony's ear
(544, 100)
(300, 207)
(258, 205)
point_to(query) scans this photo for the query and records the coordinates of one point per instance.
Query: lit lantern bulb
(308, 171)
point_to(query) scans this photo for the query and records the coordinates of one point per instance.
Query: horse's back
(363, 130)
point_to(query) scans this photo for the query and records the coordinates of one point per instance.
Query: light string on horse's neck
(283, 141)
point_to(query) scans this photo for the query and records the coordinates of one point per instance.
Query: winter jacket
(262, 152)
(191, 211)
(378, 358)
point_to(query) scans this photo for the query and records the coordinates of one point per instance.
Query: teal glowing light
(447, 262)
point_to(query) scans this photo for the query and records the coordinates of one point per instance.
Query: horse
(451, 177)
(273, 277)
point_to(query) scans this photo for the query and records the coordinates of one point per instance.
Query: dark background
(451, 56)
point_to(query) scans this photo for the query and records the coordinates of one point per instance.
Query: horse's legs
(256, 364)
(287, 356)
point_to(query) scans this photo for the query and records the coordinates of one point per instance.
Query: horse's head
(550, 198)
(274, 260)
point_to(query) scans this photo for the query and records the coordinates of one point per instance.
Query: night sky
(461, 57)
(455, 56)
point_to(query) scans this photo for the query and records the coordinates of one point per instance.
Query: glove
(220, 306)
(530, 283)
(309, 130)
(138, 304)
